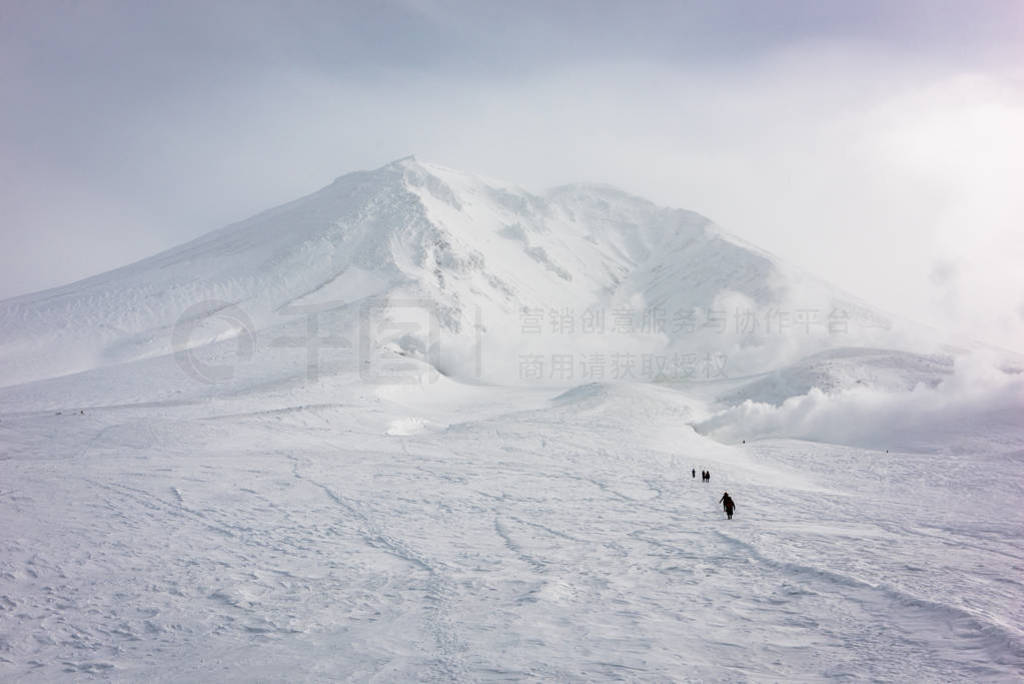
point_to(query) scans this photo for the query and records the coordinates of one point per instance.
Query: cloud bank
(980, 403)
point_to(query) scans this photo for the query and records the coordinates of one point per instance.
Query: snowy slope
(478, 250)
(843, 369)
(443, 532)
(251, 457)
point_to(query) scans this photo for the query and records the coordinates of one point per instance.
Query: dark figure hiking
(727, 504)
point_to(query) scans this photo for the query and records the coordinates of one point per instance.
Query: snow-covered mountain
(422, 426)
(589, 263)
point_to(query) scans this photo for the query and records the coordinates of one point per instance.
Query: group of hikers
(727, 503)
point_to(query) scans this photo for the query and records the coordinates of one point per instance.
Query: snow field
(205, 474)
(540, 537)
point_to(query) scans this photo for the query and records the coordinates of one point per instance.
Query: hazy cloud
(978, 403)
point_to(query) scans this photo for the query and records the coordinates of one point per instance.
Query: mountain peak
(412, 231)
(403, 161)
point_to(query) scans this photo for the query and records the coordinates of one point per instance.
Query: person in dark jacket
(693, 471)
(728, 504)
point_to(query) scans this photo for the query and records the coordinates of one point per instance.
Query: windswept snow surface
(248, 459)
(340, 530)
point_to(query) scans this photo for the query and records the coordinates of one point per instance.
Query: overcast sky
(879, 144)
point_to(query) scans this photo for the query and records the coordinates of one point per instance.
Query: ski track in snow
(177, 542)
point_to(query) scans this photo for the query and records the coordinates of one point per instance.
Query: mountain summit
(489, 256)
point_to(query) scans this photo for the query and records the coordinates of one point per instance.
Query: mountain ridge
(410, 230)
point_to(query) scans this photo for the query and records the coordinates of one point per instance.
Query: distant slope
(837, 370)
